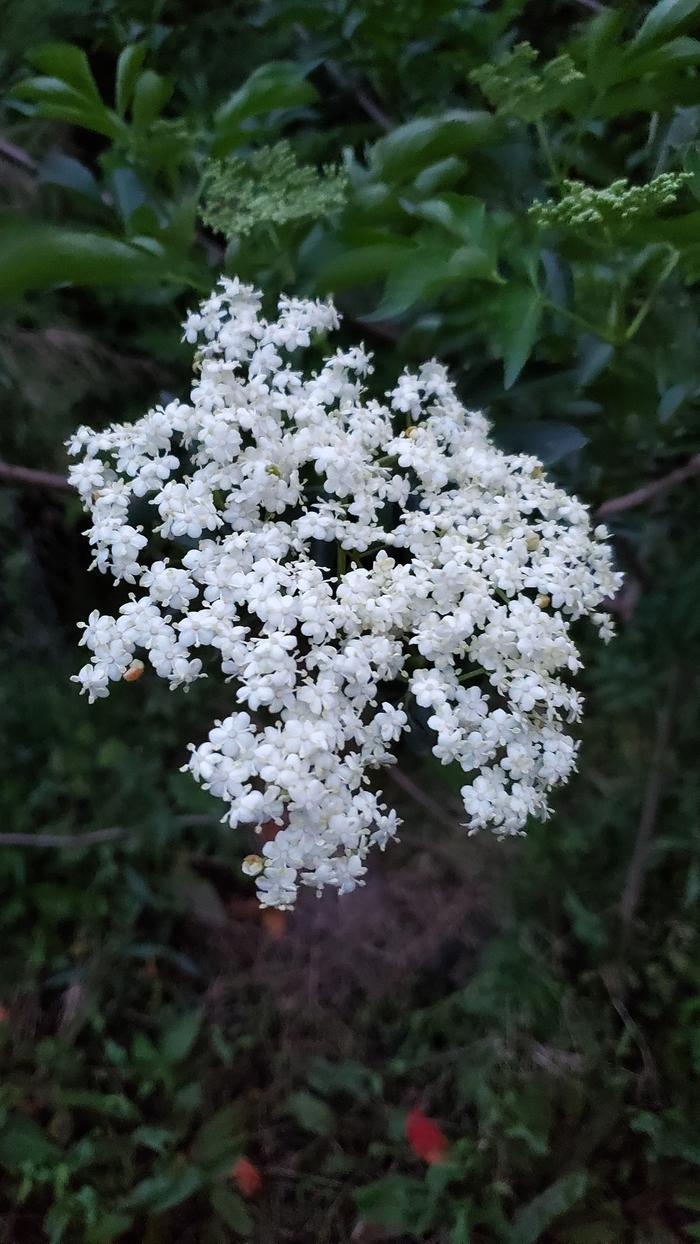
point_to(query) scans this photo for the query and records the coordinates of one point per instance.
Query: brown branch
(32, 478)
(654, 488)
(61, 840)
(634, 881)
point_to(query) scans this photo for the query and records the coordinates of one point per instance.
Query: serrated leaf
(415, 277)
(534, 1218)
(129, 64)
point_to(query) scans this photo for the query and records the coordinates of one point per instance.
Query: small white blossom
(338, 570)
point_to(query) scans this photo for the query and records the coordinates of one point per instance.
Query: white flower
(346, 565)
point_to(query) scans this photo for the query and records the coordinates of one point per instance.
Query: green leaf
(36, 256)
(57, 169)
(414, 146)
(347, 1076)
(109, 1105)
(22, 1140)
(131, 59)
(390, 1202)
(534, 1218)
(548, 440)
(671, 400)
(311, 1113)
(229, 1207)
(220, 1138)
(70, 64)
(277, 85)
(663, 19)
(461, 1231)
(181, 1035)
(58, 101)
(128, 191)
(419, 272)
(155, 1138)
(151, 93)
(159, 1193)
(519, 314)
(587, 925)
(360, 265)
(464, 216)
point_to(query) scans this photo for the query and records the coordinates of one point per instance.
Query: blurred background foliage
(513, 188)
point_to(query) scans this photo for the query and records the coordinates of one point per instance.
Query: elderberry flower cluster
(349, 565)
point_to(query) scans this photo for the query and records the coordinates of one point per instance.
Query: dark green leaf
(311, 1113)
(151, 94)
(35, 256)
(70, 64)
(422, 142)
(128, 191)
(671, 401)
(533, 1219)
(360, 265)
(181, 1035)
(663, 19)
(549, 441)
(519, 313)
(159, 1193)
(389, 1202)
(22, 1140)
(277, 85)
(347, 1076)
(57, 169)
(220, 1138)
(229, 1207)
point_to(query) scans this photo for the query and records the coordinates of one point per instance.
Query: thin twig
(61, 840)
(634, 881)
(648, 491)
(594, 5)
(17, 155)
(33, 479)
(374, 111)
(439, 810)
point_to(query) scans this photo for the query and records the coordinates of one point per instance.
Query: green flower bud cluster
(615, 207)
(515, 88)
(269, 187)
